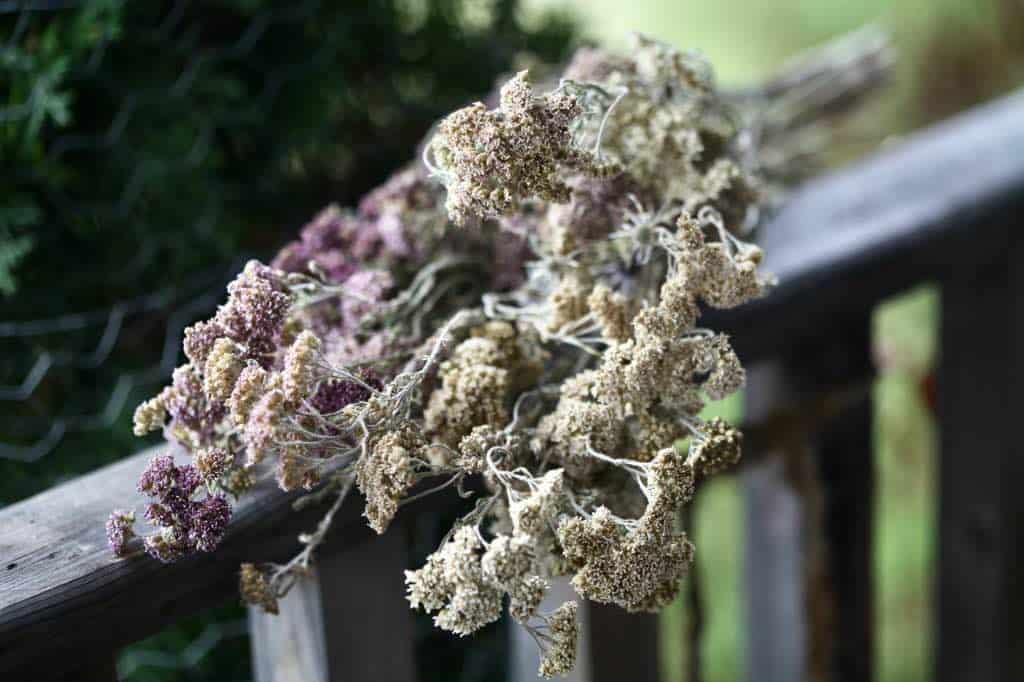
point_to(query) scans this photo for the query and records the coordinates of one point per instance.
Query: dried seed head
(150, 415)
(719, 449)
(300, 367)
(387, 473)
(220, 371)
(120, 530)
(563, 628)
(612, 311)
(256, 589)
(212, 463)
(490, 161)
(249, 388)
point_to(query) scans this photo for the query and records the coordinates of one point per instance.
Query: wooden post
(623, 646)
(980, 586)
(846, 467)
(367, 620)
(773, 549)
(290, 645)
(351, 623)
(810, 515)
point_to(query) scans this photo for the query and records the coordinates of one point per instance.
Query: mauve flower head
(120, 531)
(208, 523)
(511, 251)
(342, 348)
(366, 288)
(187, 401)
(255, 311)
(199, 340)
(187, 479)
(336, 265)
(333, 395)
(336, 241)
(362, 240)
(158, 477)
(393, 208)
(324, 231)
(328, 241)
(389, 227)
(398, 187)
(184, 524)
(293, 257)
(392, 235)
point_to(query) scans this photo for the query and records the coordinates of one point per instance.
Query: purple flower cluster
(390, 224)
(328, 240)
(120, 531)
(333, 395)
(187, 523)
(188, 404)
(366, 287)
(252, 317)
(398, 223)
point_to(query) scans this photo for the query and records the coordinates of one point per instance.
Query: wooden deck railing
(940, 206)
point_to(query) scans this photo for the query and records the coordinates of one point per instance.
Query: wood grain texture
(368, 625)
(839, 244)
(290, 644)
(773, 548)
(980, 586)
(809, 519)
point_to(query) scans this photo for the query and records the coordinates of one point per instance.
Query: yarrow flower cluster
(552, 349)
(189, 515)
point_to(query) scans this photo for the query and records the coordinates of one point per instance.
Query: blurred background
(148, 148)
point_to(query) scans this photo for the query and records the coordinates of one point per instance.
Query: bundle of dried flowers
(608, 213)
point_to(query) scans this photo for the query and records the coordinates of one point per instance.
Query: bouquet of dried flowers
(552, 351)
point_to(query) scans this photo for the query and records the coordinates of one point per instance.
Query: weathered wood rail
(939, 206)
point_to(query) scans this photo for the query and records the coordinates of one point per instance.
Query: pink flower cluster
(187, 523)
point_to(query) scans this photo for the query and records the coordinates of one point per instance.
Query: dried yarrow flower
(490, 160)
(553, 351)
(385, 475)
(249, 388)
(189, 517)
(224, 363)
(120, 530)
(150, 415)
(300, 367)
(212, 463)
(256, 589)
(563, 631)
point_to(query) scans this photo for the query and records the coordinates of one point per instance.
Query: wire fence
(173, 309)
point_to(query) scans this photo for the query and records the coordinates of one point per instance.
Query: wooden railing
(940, 206)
